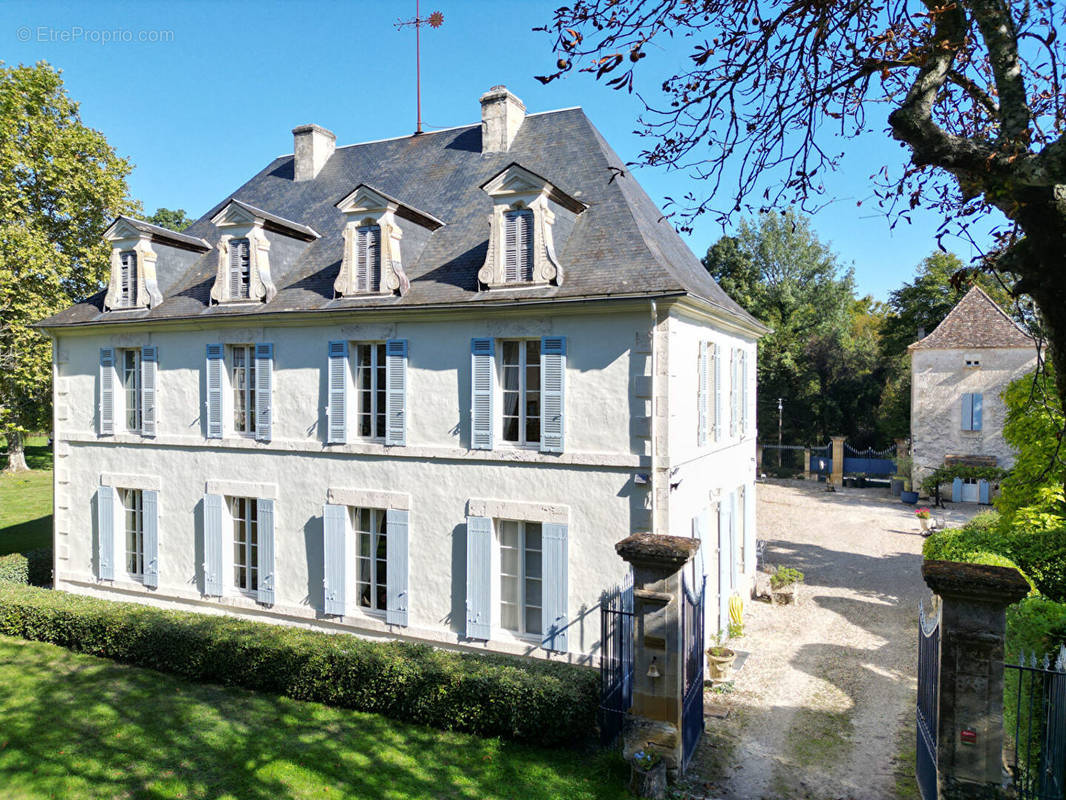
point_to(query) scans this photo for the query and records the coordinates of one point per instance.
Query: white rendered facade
(618, 367)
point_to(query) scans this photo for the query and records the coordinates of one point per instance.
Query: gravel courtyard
(823, 706)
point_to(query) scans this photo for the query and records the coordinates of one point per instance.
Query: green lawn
(75, 726)
(26, 501)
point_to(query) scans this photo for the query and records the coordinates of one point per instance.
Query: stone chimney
(501, 117)
(312, 146)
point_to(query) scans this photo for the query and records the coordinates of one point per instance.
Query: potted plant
(647, 775)
(923, 515)
(784, 584)
(719, 659)
(904, 471)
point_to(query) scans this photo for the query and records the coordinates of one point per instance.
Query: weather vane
(434, 20)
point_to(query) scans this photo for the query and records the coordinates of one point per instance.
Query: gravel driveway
(823, 706)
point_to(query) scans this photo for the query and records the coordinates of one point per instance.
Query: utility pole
(434, 20)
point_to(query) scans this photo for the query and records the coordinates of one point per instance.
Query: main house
(413, 388)
(958, 375)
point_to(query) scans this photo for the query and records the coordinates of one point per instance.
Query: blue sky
(212, 94)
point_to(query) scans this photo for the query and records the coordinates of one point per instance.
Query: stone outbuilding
(958, 375)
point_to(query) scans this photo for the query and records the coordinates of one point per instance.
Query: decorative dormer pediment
(522, 242)
(243, 273)
(133, 281)
(373, 260)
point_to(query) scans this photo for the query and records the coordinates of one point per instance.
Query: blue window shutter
(555, 619)
(264, 389)
(701, 395)
(956, 490)
(552, 393)
(749, 529)
(734, 550)
(984, 492)
(396, 392)
(743, 392)
(149, 360)
(699, 533)
(717, 393)
(335, 552)
(725, 524)
(337, 393)
(478, 577)
(150, 517)
(105, 532)
(396, 602)
(482, 387)
(213, 407)
(967, 412)
(107, 391)
(977, 404)
(265, 516)
(213, 544)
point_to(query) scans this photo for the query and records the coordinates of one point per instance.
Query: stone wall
(939, 378)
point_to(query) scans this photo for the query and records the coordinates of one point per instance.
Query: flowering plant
(922, 513)
(644, 760)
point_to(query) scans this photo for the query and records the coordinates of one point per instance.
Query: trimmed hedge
(1040, 555)
(34, 566)
(14, 568)
(488, 695)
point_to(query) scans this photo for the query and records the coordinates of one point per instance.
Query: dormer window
(528, 214)
(243, 274)
(518, 246)
(133, 283)
(127, 279)
(240, 273)
(134, 243)
(368, 258)
(373, 263)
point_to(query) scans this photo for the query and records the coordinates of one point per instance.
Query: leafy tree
(766, 91)
(1032, 495)
(821, 352)
(60, 184)
(171, 219)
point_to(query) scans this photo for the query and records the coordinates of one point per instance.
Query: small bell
(653, 671)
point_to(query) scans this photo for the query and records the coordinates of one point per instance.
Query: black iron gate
(692, 653)
(616, 661)
(927, 712)
(1035, 722)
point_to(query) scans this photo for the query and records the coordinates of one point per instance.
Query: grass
(26, 501)
(76, 726)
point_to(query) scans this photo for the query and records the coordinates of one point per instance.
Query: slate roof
(975, 322)
(165, 234)
(620, 245)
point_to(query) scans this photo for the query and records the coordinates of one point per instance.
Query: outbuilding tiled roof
(975, 322)
(621, 246)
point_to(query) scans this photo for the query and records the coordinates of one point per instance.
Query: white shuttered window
(518, 246)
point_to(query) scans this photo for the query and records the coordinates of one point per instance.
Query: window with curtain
(520, 376)
(372, 567)
(520, 576)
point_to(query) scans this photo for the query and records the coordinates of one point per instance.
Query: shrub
(488, 695)
(14, 568)
(785, 576)
(1039, 554)
(33, 566)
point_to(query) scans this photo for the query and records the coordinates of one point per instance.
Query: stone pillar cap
(975, 581)
(657, 549)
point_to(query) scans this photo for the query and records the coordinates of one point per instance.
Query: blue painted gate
(879, 463)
